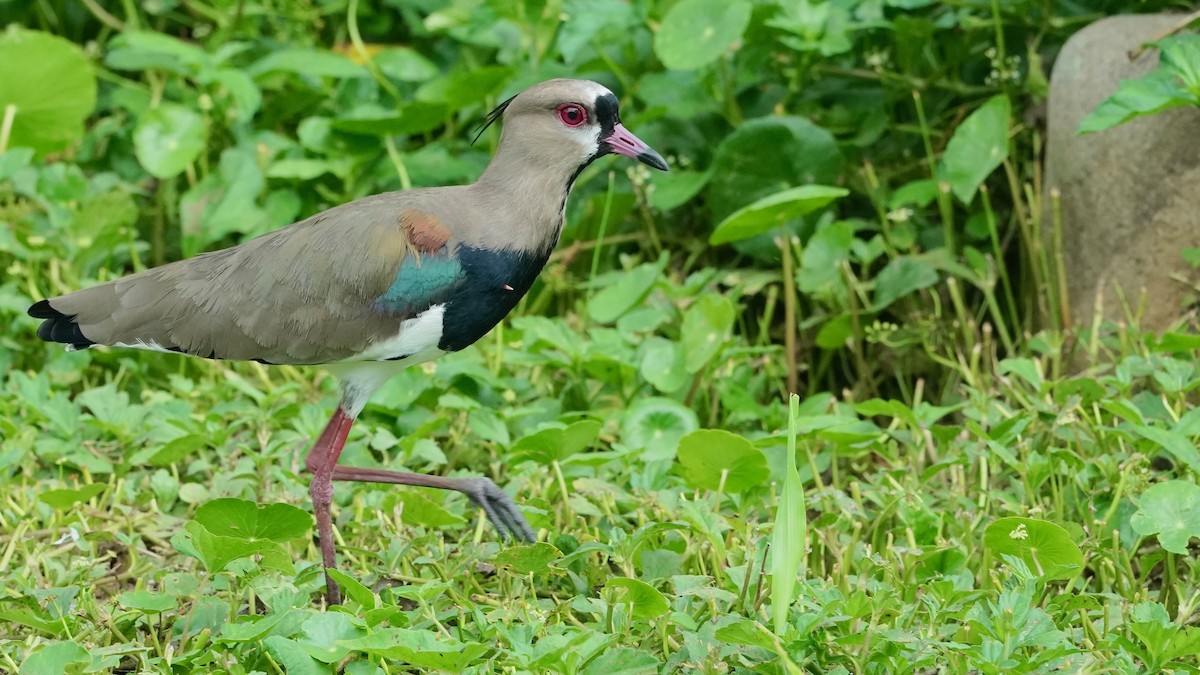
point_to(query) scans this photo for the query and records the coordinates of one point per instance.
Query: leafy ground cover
(854, 214)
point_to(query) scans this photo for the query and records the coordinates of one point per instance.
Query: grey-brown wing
(302, 295)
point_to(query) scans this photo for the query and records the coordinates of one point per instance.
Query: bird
(370, 287)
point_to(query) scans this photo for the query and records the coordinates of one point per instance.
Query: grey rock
(1130, 194)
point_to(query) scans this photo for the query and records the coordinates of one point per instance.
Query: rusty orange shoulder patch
(425, 231)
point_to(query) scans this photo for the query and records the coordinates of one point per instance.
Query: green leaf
(655, 425)
(1180, 55)
(294, 657)
(764, 156)
(676, 188)
(148, 602)
(663, 364)
(769, 213)
(322, 633)
(1045, 547)
(979, 145)
(645, 600)
(373, 120)
(557, 444)
(465, 87)
(148, 50)
(789, 537)
(1182, 449)
(244, 519)
(51, 87)
(170, 452)
(307, 62)
(820, 268)
(630, 289)
(695, 33)
(706, 328)
(168, 138)
(746, 632)
(712, 457)
(251, 628)
(418, 648)
(902, 276)
(216, 552)
(1170, 510)
(422, 510)
(1136, 98)
(65, 498)
(56, 658)
(406, 64)
(354, 589)
(622, 661)
(528, 558)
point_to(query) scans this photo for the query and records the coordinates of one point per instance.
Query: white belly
(415, 342)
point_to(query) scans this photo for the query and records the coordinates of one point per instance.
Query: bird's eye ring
(572, 114)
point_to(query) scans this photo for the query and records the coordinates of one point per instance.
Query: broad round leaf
(322, 631)
(655, 426)
(706, 454)
(1170, 510)
(695, 33)
(646, 601)
(1045, 547)
(528, 558)
(216, 551)
(168, 138)
(51, 87)
(243, 519)
(770, 212)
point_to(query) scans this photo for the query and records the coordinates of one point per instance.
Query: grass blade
(791, 531)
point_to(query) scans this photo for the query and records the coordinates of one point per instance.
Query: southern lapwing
(373, 286)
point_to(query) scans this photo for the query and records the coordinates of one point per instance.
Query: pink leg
(321, 462)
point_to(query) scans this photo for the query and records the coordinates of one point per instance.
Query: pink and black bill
(614, 137)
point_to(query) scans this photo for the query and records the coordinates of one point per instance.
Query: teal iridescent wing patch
(420, 284)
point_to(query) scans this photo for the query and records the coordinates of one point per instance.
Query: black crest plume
(491, 118)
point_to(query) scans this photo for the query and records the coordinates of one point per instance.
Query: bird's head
(570, 120)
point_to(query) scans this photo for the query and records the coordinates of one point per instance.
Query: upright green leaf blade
(770, 212)
(789, 537)
(979, 145)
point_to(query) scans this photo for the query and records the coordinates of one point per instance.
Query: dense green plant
(853, 214)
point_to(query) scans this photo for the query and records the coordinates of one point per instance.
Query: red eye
(572, 114)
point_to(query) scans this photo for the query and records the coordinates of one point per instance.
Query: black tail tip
(42, 310)
(58, 327)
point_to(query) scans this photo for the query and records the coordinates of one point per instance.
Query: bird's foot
(504, 513)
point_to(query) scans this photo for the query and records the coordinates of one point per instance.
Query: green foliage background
(943, 495)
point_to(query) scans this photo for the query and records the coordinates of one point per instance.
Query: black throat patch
(607, 115)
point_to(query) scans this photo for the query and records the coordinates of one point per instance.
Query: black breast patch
(493, 283)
